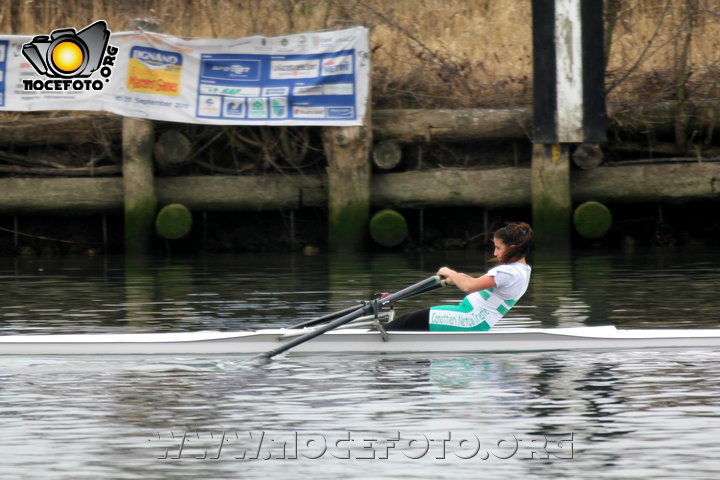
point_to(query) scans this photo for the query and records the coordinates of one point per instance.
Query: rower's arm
(465, 282)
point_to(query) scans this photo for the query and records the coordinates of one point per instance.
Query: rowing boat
(359, 340)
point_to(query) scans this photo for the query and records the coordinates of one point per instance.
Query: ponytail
(518, 238)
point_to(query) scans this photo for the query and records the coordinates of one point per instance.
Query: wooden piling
(139, 184)
(568, 105)
(348, 182)
(140, 202)
(551, 200)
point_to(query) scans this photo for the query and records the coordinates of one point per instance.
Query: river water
(640, 414)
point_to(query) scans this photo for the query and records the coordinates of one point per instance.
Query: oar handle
(430, 283)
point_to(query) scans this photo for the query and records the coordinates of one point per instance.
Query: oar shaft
(429, 283)
(317, 331)
(325, 318)
(432, 283)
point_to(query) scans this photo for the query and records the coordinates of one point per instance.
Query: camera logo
(67, 57)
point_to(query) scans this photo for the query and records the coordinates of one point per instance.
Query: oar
(327, 318)
(333, 316)
(370, 307)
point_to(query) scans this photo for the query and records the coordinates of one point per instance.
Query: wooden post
(588, 156)
(348, 176)
(139, 184)
(387, 154)
(138, 139)
(551, 201)
(172, 150)
(568, 106)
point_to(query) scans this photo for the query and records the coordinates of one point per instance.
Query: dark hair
(518, 238)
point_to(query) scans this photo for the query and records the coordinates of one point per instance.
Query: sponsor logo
(230, 91)
(285, 69)
(234, 108)
(209, 105)
(278, 107)
(322, 41)
(231, 69)
(340, 112)
(261, 45)
(154, 71)
(69, 58)
(154, 58)
(337, 65)
(275, 91)
(308, 112)
(257, 108)
(235, 69)
(308, 90)
(242, 41)
(338, 89)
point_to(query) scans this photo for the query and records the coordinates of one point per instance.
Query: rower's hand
(448, 274)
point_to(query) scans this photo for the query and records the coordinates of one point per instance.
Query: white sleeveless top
(481, 310)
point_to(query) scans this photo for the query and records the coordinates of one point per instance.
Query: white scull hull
(358, 341)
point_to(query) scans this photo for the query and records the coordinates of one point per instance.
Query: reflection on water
(591, 414)
(577, 415)
(657, 289)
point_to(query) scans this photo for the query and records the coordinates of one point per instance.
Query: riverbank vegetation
(437, 53)
(662, 56)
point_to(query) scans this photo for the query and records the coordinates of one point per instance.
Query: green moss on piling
(173, 221)
(347, 228)
(592, 220)
(139, 216)
(388, 228)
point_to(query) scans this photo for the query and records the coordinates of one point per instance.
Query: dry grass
(431, 53)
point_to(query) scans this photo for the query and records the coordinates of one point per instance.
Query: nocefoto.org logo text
(69, 59)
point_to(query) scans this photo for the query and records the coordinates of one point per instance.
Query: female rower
(490, 296)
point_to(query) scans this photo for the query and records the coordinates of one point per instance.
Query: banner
(318, 78)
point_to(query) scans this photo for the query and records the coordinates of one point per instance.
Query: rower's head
(512, 242)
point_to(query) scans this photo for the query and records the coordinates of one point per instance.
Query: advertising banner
(318, 78)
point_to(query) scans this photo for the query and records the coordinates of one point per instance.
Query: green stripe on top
(485, 294)
(506, 306)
